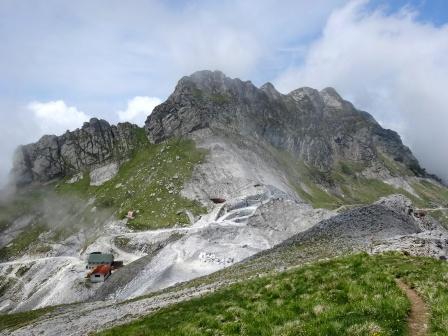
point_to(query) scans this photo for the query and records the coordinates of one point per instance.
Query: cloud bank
(91, 50)
(55, 117)
(97, 55)
(391, 65)
(138, 109)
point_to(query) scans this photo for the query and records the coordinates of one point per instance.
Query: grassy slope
(353, 295)
(433, 196)
(17, 320)
(349, 296)
(24, 203)
(150, 182)
(19, 204)
(52, 218)
(354, 189)
(26, 241)
(344, 185)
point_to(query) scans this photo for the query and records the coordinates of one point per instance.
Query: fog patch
(65, 219)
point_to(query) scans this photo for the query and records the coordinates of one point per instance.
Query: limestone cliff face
(95, 143)
(318, 127)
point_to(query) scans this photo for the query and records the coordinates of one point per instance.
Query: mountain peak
(331, 92)
(207, 74)
(270, 90)
(332, 98)
(210, 83)
(303, 93)
(317, 127)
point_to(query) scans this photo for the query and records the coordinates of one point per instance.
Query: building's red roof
(102, 269)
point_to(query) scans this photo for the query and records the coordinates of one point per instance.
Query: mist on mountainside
(52, 217)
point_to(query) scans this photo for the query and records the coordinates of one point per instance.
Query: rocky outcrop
(95, 144)
(318, 127)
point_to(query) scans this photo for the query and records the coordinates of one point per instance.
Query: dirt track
(419, 315)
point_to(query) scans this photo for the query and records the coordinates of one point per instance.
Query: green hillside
(149, 183)
(353, 295)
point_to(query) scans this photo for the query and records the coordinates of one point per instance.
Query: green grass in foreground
(149, 182)
(354, 295)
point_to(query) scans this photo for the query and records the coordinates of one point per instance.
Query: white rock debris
(218, 239)
(100, 175)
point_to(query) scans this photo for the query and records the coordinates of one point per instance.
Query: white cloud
(391, 65)
(55, 117)
(138, 109)
(145, 44)
(96, 54)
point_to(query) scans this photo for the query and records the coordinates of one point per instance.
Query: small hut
(100, 273)
(96, 259)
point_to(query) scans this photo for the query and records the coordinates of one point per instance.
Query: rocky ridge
(95, 144)
(318, 127)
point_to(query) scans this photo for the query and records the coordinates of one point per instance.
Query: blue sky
(63, 62)
(434, 11)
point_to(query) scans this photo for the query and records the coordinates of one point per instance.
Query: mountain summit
(318, 127)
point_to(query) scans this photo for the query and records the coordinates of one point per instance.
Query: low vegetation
(5, 283)
(17, 320)
(46, 218)
(149, 184)
(26, 241)
(396, 168)
(432, 196)
(429, 277)
(17, 205)
(341, 186)
(345, 185)
(25, 203)
(441, 216)
(352, 295)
